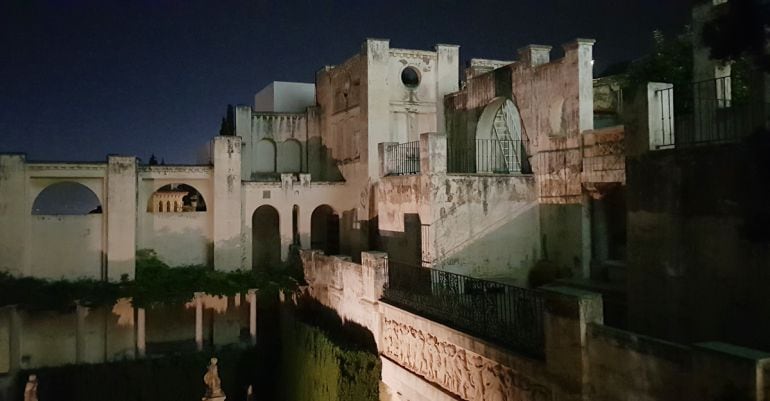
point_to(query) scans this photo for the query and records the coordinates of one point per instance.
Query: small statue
(250, 393)
(30, 389)
(213, 383)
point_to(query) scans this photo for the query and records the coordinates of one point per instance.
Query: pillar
(585, 228)
(227, 203)
(433, 153)
(80, 333)
(285, 229)
(447, 79)
(141, 344)
(535, 55)
(382, 153)
(252, 294)
(377, 55)
(199, 321)
(120, 218)
(580, 52)
(568, 312)
(14, 215)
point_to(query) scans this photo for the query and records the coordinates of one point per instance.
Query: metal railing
(706, 113)
(487, 156)
(507, 315)
(403, 159)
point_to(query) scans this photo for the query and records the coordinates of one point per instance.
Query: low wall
(583, 358)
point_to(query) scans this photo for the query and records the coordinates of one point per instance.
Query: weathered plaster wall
(698, 244)
(66, 246)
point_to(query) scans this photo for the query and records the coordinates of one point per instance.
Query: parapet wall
(583, 358)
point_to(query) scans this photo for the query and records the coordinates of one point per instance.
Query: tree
(738, 30)
(227, 127)
(670, 61)
(153, 160)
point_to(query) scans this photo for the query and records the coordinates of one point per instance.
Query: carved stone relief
(463, 373)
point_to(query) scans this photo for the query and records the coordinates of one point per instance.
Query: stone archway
(266, 238)
(325, 230)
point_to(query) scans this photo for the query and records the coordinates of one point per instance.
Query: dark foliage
(738, 30)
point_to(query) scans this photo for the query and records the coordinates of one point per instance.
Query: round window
(410, 77)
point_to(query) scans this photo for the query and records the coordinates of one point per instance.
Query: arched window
(66, 198)
(499, 145)
(183, 197)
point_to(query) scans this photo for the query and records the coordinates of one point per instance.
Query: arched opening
(325, 230)
(265, 160)
(290, 157)
(176, 198)
(266, 238)
(66, 198)
(295, 225)
(499, 146)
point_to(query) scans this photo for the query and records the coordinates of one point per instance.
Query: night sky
(83, 79)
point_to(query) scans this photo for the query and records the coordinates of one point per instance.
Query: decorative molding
(461, 372)
(66, 166)
(176, 169)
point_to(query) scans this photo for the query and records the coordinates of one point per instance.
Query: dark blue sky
(81, 79)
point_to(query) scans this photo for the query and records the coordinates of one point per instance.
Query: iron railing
(706, 113)
(487, 156)
(403, 159)
(507, 315)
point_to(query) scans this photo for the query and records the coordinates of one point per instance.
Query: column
(80, 331)
(252, 294)
(227, 203)
(199, 321)
(141, 345)
(120, 215)
(567, 313)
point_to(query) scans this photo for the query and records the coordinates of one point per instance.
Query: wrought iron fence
(487, 156)
(706, 112)
(508, 315)
(403, 159)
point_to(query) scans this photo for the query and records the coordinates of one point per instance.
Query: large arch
(176, 198)
(325, 230)
(266, 237)
(265, 156)
(499, 145)
(290, 156)
(66, 198)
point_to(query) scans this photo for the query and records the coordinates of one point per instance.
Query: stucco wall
(66, 246)
(179, 239)
(698, 244)
(623, 363)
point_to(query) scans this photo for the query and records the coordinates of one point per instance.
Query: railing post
(383, 151)
(433, 153)
(568, 312)
(660, 115)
